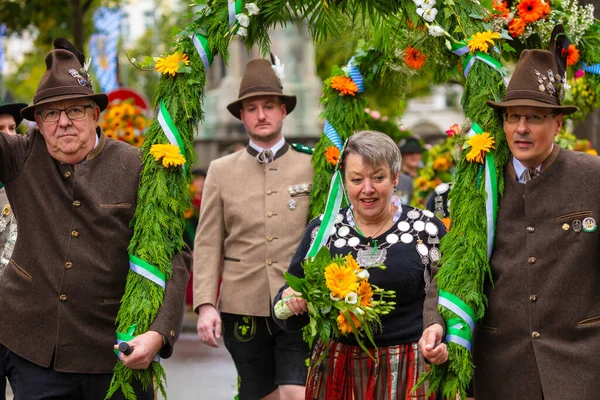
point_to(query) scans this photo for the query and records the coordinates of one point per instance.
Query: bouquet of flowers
(123, 120)
(340, 298)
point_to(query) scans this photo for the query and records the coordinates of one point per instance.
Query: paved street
(198, 372)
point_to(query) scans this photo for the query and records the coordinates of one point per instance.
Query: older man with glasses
(74, 193)
(539, 336)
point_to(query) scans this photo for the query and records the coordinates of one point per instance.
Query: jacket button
(63, 297)
(67, 174)
(535, 335)
(530, 229)
(172, 334)
(533, 297)
(270, 238)
(74, 233)
(269, 262)
(269, 192)
(68, 265)
(531, 260)
(76, 203)
(269, 214)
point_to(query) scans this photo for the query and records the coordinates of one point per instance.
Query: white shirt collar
(520, 168)
(274, 149)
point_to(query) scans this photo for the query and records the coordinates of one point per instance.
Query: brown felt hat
(260, 80)
(65, 78)
(536, 82)
(13, 109)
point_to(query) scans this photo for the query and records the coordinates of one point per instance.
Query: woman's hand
(292, 299)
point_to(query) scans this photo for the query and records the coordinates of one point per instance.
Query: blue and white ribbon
(234, 7)
(592, 69)
(356, 76)
(332, 135)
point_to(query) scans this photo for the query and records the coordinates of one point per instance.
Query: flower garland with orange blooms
(341, 300)
(125, 121)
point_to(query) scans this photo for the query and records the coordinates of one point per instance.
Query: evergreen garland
(390, 27)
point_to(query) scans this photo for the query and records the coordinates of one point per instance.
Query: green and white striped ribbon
(462, 48)
(201, 44)
(459, 333)
(491, 190)
(143, 268)
(126, 337)
(234, 7)
(170, 130)
(458, 307)
(334, 202)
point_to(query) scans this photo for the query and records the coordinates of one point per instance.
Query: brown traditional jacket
(540, 336)
(61, 289)
(250, 219)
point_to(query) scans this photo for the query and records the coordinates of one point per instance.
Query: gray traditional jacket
(62, 287)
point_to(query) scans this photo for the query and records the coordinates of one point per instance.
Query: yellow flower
(351, 262)
(480, 144)
(170, 63)
(422, 183)
(592, 152)
(441, 164)
(169, 153)
(480, 41)
(366, 293)
(344, 325)
(340, 279)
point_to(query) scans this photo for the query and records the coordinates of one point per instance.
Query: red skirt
(348, 373)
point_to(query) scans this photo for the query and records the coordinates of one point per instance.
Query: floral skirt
(348, 373)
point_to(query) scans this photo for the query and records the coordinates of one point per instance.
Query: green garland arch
(392, 30)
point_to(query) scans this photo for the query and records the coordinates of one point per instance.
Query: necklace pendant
(367, 257)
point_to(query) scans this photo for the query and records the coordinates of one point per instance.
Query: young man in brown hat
(10, 118)
(74, 191)
(539, 338)
(254, 211)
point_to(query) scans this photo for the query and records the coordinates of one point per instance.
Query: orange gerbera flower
(414, 58)
(547, 8)
(344, 85)
(531, 10)
(502, 9)
(446, 222)
(351, 262)
(366, 293)
(516, 27)
(344, 325)
(332, 155)
(572, 55)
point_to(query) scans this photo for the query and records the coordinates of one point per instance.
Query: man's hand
(145, 347)
(209, 325)
(431, 345)
(296, 304)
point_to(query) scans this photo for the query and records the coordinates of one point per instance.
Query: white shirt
(520, 168)
(274, 149)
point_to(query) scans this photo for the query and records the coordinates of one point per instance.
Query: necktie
(265, 157)
(529, 174)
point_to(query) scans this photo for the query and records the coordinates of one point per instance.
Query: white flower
(332, 297)
(436, 30)
(243, 20)
(252, 9)
(351, 298)
(427, 14)
(278, 68)
(325, 309)
(428, 4)
(364, 274)
(418, 3)
(242, 31)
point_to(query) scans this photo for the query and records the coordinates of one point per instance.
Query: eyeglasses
(533, 119)
(73, 113)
